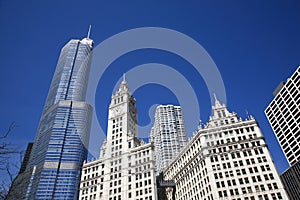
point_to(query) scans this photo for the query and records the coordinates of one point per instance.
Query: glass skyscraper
(61, 142)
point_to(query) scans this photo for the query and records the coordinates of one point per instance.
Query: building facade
(167, 134)
(226, 159)
(125, 169)
(15, 191)
(60, 147)
(26, 157)
(291, 181)
(283, 114)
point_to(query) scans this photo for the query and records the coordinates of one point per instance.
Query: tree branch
(10, 128)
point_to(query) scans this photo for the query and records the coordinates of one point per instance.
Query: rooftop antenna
(215, 97)
(216, 100)
(89, 32)
(124, 77)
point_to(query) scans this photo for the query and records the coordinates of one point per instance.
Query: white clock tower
(122, 118)
(126, 166)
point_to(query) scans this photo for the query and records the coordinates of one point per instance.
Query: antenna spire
(215, 97)
(216, 100)
(89, 32)
(124, 77)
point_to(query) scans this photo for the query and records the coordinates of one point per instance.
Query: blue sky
(255, 45)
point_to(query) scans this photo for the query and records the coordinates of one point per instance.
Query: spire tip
(124, 77)
(216, 99)
(89, 32)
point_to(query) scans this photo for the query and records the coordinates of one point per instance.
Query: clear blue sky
(255, 45)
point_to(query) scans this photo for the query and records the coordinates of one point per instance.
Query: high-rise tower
(167, 134)
(125, 168)
(61, 142)
(284, 116)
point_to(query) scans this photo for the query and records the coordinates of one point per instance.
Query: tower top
(217, 102)
(123, 86)
(88, 40)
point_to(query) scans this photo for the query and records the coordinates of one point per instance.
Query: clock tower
(126, 165)
(122, 117)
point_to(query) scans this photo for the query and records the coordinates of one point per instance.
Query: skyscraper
(226, 159)
(125, 169)
(61, 142)
(167, 134)
(283, 114)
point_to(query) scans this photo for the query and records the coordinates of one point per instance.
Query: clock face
(116, 111)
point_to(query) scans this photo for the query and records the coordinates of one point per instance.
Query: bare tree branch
(7, 149)
(10, 128)
(3, 189)
(8, 170)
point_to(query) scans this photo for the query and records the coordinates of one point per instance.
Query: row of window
(273, 196)
(244, 154)
(93, 169)
(242, 171)
(234, 132)
(118, 100)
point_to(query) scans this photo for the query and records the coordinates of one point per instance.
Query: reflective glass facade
(61, 142)
(71, 75)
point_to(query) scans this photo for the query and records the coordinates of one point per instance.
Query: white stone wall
(226, 159)
(126, 167)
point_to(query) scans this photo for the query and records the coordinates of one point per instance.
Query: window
(241, 181)
(228, 183)
(220, 194)
(243, 171)
(249, 189)
(244, 190)
(266, 177)
(258, 178)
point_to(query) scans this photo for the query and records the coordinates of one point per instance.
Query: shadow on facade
(165, 187)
